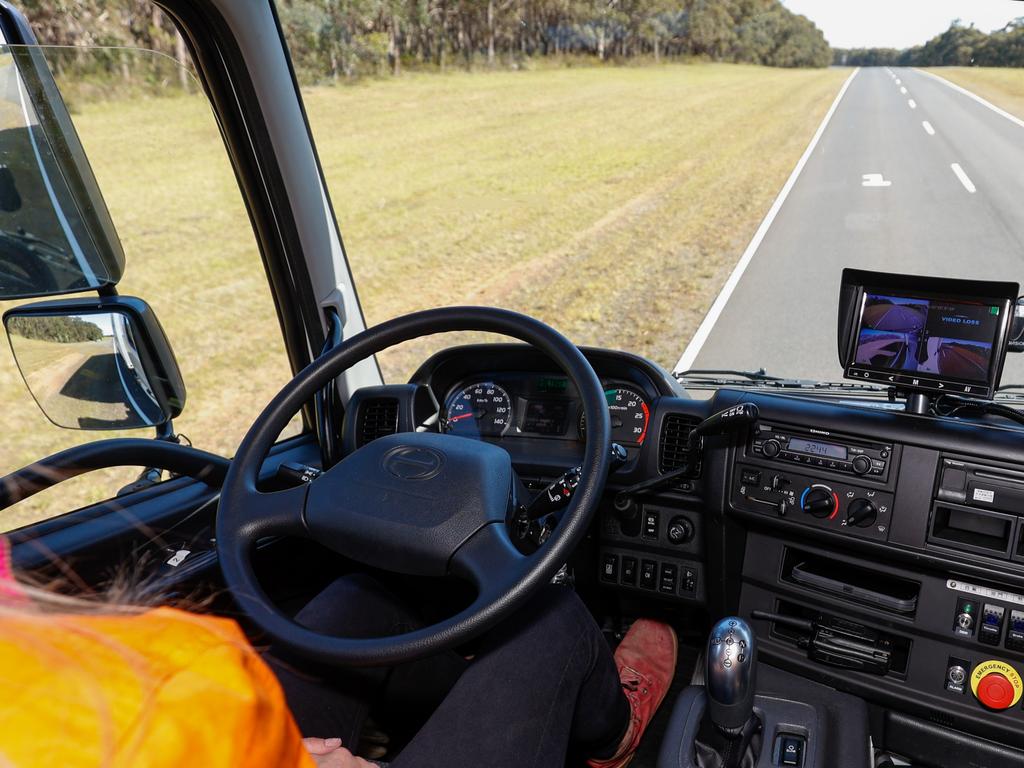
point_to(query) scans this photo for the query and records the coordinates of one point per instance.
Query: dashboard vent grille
(377, 417)
(673, 452)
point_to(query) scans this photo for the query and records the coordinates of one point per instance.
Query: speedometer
(479, 410)
(629, 414)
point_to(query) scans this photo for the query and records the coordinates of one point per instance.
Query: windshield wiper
(759, 375)
(761, 380)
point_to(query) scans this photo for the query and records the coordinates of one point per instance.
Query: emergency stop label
(1002, 668)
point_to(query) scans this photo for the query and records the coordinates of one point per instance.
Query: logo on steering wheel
(410, 462)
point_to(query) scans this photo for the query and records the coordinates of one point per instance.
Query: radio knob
(861, 513)
(771, 448)
(680, 530)
(819, 501)
(861, 465)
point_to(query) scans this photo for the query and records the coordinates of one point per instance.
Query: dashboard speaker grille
(673, 452)
(377, 417)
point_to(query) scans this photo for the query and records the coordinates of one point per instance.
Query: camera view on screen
(932, 336)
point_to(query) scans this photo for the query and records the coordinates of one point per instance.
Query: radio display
(816, 448)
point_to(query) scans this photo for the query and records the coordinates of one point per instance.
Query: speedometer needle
(459, 418)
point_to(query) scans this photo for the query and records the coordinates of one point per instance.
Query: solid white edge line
(928, 127)
(976, 97)
(704, 329)
(964, 178)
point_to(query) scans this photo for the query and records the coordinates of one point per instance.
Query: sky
(899, 23)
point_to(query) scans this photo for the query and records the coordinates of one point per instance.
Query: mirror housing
(1016, 334)
(56, 234)
(96, 364)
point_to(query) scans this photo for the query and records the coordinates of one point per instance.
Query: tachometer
(629, 415)
(479, 410)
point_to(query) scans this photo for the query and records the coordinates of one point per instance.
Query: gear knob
(732, 664)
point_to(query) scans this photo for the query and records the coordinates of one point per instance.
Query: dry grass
(1004, 87)
(611, 203)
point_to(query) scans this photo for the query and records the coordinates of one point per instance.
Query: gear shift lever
(732, 665)
(730, 733)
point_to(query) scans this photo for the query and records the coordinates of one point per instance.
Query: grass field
(1004, 87)
(610, 202)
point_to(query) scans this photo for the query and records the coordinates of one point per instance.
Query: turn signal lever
(734, 419)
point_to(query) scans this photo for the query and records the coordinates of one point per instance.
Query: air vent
(674, 453)
(377, 417)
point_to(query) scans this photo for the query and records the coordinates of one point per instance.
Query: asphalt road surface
(908, 175)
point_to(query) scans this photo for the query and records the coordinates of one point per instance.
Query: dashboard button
(996, 684)
(629, 571)
(650, 525)
(667, 585)
(648, 574)
(610, 568)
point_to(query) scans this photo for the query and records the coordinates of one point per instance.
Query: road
(908, 175)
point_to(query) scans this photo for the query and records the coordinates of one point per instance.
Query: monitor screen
(922, 341)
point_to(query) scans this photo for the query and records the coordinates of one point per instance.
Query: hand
(328, 753)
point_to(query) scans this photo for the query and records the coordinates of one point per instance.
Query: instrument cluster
(541, 405)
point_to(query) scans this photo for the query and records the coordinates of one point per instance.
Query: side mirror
(96, 363)
(1016, 334)
(56, 234)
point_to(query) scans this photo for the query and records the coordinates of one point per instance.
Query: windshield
(683, 180)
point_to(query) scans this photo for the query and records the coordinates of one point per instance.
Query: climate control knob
(861, 513)
(819, 500)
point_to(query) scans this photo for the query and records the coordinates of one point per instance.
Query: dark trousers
(542, 685)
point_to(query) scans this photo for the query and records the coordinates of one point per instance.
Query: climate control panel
(840, 506)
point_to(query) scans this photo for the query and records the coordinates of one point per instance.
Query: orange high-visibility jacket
(158, 688)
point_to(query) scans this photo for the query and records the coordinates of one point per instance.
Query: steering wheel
(415, 503)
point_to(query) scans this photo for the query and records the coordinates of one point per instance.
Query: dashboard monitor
(925, 333)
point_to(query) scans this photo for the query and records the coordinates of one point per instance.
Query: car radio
(821, 449)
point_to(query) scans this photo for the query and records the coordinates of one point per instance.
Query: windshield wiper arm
(759, 375)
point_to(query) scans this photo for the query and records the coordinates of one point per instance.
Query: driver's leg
(328, 703)
(544, 680)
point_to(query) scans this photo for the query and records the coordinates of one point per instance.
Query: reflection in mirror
(85, 371)
(55, 231)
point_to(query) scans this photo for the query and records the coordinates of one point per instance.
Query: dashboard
(906, 528)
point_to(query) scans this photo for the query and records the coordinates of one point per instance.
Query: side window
(155, 149)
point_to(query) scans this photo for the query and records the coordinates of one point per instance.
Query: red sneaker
(646, 658)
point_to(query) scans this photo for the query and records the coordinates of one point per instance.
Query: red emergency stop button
(996, 684)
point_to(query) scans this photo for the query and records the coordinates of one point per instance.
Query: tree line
(958, 46)
(333, 39)
(343, 39)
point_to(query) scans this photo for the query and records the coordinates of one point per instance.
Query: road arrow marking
(875, 180)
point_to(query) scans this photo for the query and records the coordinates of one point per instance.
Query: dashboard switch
(1015, 631)
(648, 574)
(650, 525)
(610, 568)
(964, 619)
(629, 571)
(990, 630)
(956, 675)
(667, 585)
(791, 751)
